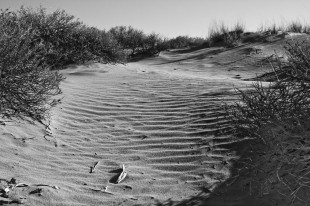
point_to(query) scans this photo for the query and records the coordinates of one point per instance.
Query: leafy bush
(152, 45)
(137, 42)
(89, 44)
(128, 37)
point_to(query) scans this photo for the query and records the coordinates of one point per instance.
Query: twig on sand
(49, 134)
(25, 138)
(12, 201)
(45, 185)
(92, 168)
(110, 193)
(122, 176)
(250, 188)
(101, 190)
(12, 184)
(133, 198)
(9, 186)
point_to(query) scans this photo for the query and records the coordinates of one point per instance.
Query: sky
(172, 18)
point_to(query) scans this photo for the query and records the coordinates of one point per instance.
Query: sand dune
(159, 117)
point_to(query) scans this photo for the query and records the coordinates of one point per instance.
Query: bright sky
(175, 17)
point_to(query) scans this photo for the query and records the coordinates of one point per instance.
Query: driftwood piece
(122, 176)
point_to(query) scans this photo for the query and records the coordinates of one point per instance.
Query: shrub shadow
(217, 197)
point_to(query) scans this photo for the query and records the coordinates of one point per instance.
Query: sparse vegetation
(136, 42)
(298, 27)
(271, 29)
(278, 115)
(221, 35)
(294, 26)
(186, 41)
(286, 98)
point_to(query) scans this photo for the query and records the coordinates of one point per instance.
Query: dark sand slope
(159, 117)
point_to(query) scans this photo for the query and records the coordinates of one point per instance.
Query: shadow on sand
(236, 191)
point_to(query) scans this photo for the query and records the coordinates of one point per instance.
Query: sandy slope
(159, 117)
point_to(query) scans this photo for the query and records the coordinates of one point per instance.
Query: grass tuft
(221, 35)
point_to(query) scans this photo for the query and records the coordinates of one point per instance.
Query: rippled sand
(159, 117)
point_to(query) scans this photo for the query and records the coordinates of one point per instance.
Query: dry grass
(293, 26)
(222, 35)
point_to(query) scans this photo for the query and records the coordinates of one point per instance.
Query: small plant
(295, 26)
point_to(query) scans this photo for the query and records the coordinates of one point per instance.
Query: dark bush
(185, 41)
(278, 116)
(67, 40)
(138, 43)
(285, 99)
(27, 85)
(32, 43)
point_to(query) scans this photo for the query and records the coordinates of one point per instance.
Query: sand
(159, 117)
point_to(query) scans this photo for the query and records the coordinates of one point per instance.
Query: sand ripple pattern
(165, 130)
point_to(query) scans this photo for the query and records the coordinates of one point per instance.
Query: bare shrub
(27, 85)
(32, 43)
(278, 114)
(137, 42)
(67, 40)
(288, 98)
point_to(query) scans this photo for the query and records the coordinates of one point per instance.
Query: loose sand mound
(159, 117)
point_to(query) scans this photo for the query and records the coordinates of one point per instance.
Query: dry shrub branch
(277, 115)
(26, 82)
